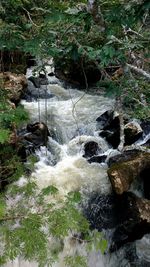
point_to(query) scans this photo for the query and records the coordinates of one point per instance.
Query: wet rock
(125, 156)
(145, 125)
(37, 134)
(51, 74)
(90, 149)
(112, 137)
(31, 61)
(35, 81)
(133, 132)
(31, 138)
(14, 84)
(97, 159)
(38, 81)
(105, 119)
(25, 149)
(122, 174)
(135, 220)
(147, 143)
(101, 212)
(33, 93)
(145, 178)
(109, 125)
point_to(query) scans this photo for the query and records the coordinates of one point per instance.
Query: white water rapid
(71, 118)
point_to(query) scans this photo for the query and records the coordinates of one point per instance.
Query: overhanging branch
(139, 71)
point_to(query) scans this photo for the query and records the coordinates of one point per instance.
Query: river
(71, 118)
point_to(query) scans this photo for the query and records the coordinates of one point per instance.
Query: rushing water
(71, 118)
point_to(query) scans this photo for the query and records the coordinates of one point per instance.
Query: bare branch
(29, 16)
(138, 101)
(119, 110)
(139, 71)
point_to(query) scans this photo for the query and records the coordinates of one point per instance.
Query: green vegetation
(35, 226)
(112, 36)
(10, 118)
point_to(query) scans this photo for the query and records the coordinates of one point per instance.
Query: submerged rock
(123, 173)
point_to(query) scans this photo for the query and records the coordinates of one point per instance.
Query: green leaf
(2, 207)
(103, 245)
(49, 190)
(74, 197)
(28, 26)
(76, 261)
(4, 135)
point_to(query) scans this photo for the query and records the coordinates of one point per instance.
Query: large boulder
(123, 173)
(135, 220)
(128, 214)
(14, 85)
(109, 125)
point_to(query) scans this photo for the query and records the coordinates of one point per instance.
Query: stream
(71, 118)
